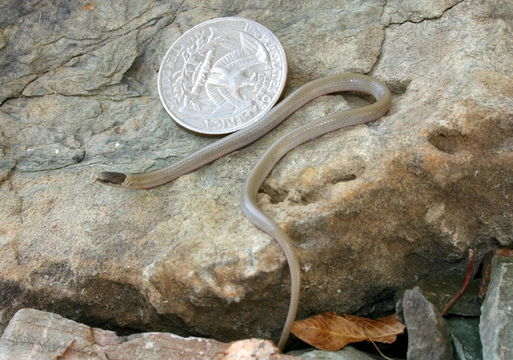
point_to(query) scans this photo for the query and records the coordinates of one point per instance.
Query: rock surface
(440, 289)
(347, 353)
(496, 325)
(428, 337)
(465, 337)
(371, 209)
(33, 334)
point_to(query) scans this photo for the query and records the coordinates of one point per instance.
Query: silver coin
(222, 75)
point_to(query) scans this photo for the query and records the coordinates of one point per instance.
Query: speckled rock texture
(33, 334)
(428, 335)
(464, 334)
(347, 353)
(496, 325)
(371, 210)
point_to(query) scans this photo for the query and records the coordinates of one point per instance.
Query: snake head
(111, 178)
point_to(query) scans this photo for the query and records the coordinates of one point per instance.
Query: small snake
(243, 137)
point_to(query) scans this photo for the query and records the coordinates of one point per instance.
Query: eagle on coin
(228, 74)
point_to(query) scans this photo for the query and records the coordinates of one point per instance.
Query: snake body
(243, 137)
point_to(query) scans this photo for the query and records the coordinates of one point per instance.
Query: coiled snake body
(243, 137)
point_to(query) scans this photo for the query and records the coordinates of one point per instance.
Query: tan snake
(243, 137)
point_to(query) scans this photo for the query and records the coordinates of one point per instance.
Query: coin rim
(256, 118)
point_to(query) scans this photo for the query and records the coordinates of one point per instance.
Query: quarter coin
(222, 75)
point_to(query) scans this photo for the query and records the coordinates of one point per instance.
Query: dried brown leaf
(331, 332)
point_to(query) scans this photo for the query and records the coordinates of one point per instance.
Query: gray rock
(41, 335)
(496, 326)
(440, 289)
(347, 353)
(377, 207)
(6, 166)
(464, 332)
(428, 337)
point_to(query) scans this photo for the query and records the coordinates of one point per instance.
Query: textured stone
(347, 353)
(371, 210)
(440, 289)
(496, 325)
(464, 332)
(400, 11)
(41, 335)
(428, 337)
